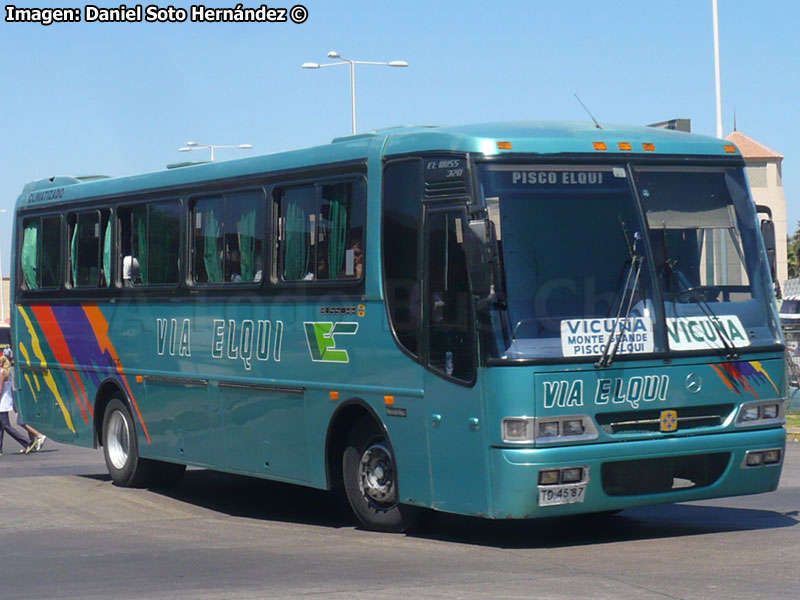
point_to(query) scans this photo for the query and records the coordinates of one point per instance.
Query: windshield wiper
(690, 290)
(621, 321)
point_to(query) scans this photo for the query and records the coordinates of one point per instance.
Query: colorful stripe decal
(738, 375)
(55, 337)
(759, 368)
(27, 357)
(80, 344)
(48, 376)
(100, 328)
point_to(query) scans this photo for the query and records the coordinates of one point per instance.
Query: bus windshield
(572, 244)
(707, 252)
(582, 272)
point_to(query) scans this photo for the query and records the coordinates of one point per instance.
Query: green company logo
(321, 342)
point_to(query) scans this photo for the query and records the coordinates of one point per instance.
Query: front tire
(121, 448)
(370, 480)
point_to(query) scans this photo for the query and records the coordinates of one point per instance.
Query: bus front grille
(659, 475)
(649, 421)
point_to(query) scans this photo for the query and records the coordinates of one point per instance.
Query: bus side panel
(265, 432)
(178, 419)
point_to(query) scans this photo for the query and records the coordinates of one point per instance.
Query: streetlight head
(333, 54)
(398, 63)
(245, 146)
(310, 65)
(184, 149)
(190, 144)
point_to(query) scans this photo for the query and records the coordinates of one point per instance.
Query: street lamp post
(717, 85)
(352, 63)
(195, 146)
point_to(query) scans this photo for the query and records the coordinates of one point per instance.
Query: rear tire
(370, 480)
(121, 447)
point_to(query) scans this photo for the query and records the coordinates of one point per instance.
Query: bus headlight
(548, 430)
(760, 458)
(573, 427)
(770, 411)
(761, 412)
(549, 477)
(573, 475)
(750, 414)
(518, 430)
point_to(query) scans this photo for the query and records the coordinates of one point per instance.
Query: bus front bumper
(621, 475)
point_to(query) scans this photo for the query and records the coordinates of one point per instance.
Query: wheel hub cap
(118, 440)
(376, 475)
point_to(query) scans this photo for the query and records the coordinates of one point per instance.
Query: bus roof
(537, 138)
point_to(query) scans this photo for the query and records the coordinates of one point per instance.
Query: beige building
(6, 300)
(764, 173)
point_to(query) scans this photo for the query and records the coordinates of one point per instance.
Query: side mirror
(768, 233)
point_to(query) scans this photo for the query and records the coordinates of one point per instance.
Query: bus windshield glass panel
(714, 277)
(577, 279)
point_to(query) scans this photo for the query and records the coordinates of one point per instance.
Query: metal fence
(792, 335)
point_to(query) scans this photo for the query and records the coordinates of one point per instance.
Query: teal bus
(510, 320)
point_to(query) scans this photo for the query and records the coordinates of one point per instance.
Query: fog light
(549, 429)
(755, 459)
(769, 411)
(518, 430)
(772, 457)
(750, 414)
(573, 427)
(548, 477)
(573, 475)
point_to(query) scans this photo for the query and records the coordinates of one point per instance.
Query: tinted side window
(89, 249)
(401, 221)
(150, 243)
(228, 238)
(40, 255)
(321, 231)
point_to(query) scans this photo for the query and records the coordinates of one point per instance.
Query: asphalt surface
(67, 533)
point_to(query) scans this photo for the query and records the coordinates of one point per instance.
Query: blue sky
(118, 99)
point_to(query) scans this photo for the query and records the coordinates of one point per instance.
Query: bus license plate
(561, 494)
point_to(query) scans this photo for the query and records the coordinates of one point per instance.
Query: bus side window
(89, 249)
(40, 256)
(402, 189)
(321, 231)
(228, 238)
(341, 230)
(149, 243)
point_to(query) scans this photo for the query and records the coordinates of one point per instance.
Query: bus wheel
(370, 481)
(121, 448)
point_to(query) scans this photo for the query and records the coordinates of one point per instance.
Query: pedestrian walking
(34, 436)
(6, 406)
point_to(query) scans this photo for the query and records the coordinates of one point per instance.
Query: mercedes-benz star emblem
(694, 383)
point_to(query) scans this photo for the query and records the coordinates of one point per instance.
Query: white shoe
(40, 442)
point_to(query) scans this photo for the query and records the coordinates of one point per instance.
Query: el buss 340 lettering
(515, 338)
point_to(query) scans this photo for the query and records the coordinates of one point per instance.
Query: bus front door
(457, 440)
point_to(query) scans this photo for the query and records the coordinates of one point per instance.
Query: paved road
(67, 533)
